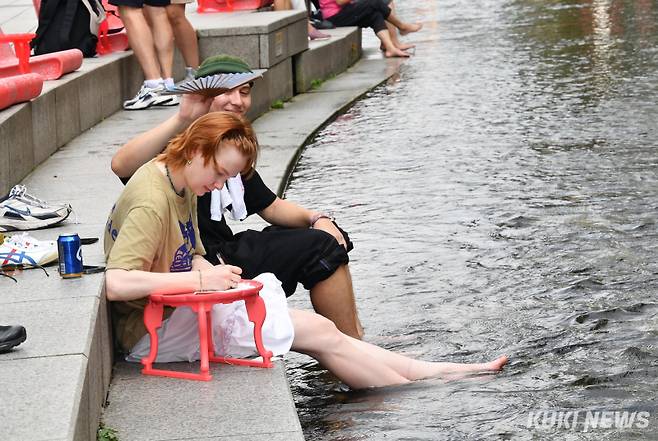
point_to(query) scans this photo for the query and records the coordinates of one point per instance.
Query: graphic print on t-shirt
(183, 256)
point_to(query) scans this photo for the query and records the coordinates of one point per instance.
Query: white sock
(152, 84)
(169, 83)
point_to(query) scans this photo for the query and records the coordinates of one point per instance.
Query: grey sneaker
(147, 97)
(190, 74)
(22, 211)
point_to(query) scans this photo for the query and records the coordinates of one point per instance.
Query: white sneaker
(22, 211)
(147, 97)
(25, 251)
(174, 100)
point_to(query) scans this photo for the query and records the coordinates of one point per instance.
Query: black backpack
(68, 24)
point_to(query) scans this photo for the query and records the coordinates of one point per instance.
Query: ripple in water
(501, 196)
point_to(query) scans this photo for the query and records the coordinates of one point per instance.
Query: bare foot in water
(452, 371)
(457, 371)
(395, 52)
(411, 27)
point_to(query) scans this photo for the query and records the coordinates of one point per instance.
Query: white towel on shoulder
(232, 193)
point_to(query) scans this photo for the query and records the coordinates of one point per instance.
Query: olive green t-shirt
(150, 228)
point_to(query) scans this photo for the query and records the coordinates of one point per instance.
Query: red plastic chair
(231, 5)
(202, 303)
(19, 88)
(18, 61)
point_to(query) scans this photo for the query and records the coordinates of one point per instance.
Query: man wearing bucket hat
(301, 245)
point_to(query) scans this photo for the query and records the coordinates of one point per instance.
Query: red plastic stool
(19, 88)
(230, 5)
(18, 61)
(202, 303)
(21, 49)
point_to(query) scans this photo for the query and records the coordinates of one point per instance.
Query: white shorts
(233, 333)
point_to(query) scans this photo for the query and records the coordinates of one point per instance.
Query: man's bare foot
(411, 27)
(395, 52)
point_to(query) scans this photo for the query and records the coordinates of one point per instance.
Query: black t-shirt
(257, 197)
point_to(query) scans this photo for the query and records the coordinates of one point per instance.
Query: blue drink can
(70, 256)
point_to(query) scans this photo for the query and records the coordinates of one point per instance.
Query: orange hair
(207, 134)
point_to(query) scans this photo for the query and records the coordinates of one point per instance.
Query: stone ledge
(60, 387)
(31, 132)
(242, 23)
(239, 402)
(327, 58)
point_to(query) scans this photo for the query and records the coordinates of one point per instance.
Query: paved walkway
(44, 381)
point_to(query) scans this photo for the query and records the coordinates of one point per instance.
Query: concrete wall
(31, 132)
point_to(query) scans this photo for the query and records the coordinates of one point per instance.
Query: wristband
(317, 216)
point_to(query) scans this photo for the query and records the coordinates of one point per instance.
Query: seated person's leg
(295, 255)
(363, 365)
(333, 298)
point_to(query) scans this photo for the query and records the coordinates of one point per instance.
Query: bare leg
(319, 338)
(334, 299)
(405, 28)
(163, 38)
(362, 365)
(184, 34)
(393, 31)
(390, 50)
(417, 369)
(141, 40)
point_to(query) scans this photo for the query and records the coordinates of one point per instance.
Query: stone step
(60, 146)
(326, 58)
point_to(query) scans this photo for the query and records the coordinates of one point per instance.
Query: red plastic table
(202, 302)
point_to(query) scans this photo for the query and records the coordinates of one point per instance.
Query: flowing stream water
(501, 194)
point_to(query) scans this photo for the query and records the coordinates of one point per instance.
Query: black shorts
(294, 255)
(139, 3)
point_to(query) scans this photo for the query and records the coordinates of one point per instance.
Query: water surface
(502, 197)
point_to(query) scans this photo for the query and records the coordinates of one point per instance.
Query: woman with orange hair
(152, 243)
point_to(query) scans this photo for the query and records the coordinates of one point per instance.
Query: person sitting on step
(301, 246)
(152, 244)
(375, 14)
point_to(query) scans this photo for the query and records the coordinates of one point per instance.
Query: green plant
(315, 84)
(106, 433)
(278, 104)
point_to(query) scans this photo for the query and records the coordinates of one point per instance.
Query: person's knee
(315, 335)
(328, 335)
(130, 14)
(175, 14)
(378, 22)
(329, 256)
